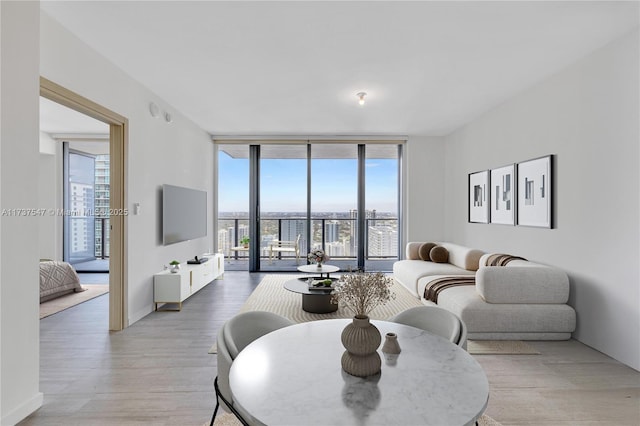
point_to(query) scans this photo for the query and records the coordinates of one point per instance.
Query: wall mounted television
(184, 214)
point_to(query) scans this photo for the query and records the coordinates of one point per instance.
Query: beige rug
(500, 347)
(228, 419)
(270, 295)
(67, 301)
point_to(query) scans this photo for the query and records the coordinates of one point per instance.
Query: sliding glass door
(79, 203)
(341, 197)
(334, 201)
(282, 206)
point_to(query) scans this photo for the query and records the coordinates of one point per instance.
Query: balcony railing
(337, 237)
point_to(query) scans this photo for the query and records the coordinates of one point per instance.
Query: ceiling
(294, 68)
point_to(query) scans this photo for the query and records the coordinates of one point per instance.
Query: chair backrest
(236, 334)
(248, 326)
(436, 320)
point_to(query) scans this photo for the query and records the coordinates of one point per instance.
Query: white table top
(313, 269)
(293, 376)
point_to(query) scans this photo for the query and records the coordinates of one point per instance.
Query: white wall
(588, 117)
(424, 177)
(19, 327)
(178, 153)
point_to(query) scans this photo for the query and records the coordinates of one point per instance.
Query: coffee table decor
(322, 284)
(318, 257)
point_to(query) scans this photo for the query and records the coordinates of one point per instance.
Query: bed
(57, 279)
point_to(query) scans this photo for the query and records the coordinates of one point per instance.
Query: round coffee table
(314, 301)
(313, 269)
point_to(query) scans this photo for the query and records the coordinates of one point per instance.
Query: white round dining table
(293, 376)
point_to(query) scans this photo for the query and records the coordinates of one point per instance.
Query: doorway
(118, 129)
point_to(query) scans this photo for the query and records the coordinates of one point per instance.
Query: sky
(283, 185)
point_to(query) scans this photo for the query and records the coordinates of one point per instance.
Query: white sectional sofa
(522, 300)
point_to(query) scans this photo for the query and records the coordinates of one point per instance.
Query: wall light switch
(136, 208)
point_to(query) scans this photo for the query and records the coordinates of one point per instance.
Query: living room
(580, 105)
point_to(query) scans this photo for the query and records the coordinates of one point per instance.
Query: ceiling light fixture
(361, 96)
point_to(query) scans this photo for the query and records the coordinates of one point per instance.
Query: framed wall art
(535, 192)
(479, 197)
(503, 200)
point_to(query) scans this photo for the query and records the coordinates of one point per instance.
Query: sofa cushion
(439, 254)
(482, 317)
(409, 272)
(522, 284)
(424, 252)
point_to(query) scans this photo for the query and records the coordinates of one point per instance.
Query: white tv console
(171, 287)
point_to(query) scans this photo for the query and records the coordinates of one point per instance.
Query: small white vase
(174, 268)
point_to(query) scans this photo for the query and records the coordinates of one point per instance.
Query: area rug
(67, 301)
(270, 295)
(228, 419)
(500, 347)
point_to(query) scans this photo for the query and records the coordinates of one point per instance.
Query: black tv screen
(184, 214)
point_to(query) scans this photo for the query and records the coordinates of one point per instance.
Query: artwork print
(479, 197)
(503, 201)
(534, 192)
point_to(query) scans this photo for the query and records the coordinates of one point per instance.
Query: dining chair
(233, 337)
(436, 320)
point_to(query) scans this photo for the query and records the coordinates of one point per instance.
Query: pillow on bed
(425, 250)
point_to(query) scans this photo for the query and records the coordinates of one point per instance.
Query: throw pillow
(424, 251)
(439, 254)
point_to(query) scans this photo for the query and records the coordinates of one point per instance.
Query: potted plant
(174, 266)
(244, 241)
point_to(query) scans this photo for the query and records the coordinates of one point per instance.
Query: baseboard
(23, 410)
(140, 314)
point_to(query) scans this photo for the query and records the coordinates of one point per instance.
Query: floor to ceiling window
(341, 197)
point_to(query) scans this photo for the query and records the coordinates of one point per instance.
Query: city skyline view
(331, 177)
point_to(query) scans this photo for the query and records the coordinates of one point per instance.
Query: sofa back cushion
(463, 257)
(522, 284)
(412, 250)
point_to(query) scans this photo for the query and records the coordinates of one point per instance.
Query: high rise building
(332, 231)
(101, 199)
(383, 241)
(353, 215)
(290, 230)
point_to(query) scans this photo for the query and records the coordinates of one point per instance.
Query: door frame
(118, 142)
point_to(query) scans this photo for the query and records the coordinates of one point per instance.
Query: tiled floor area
(158, 370)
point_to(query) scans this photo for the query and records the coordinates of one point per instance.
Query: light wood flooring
(158, 370)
